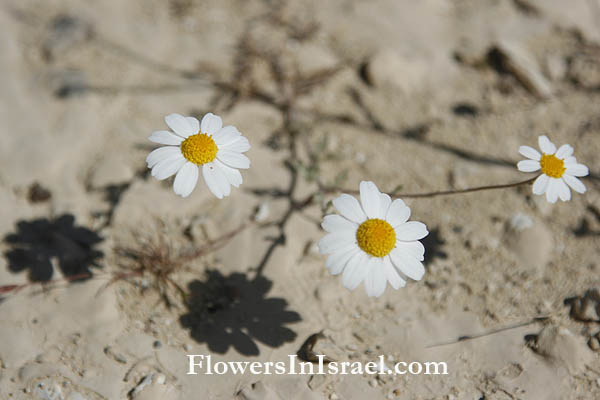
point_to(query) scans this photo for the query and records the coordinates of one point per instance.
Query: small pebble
(521, 222)
(147, 380)
(263, 212)
(157, 344)
(360, 157)
(38, 194)
(594, 343)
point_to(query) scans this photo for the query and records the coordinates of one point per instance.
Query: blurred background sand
(428, 95)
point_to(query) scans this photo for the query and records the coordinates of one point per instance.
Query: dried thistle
(152, 256)
(157, 258)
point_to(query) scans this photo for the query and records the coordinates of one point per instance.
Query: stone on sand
(320, 344)
(529, 240)
(313, 59)
(586, 308)
(562, 347)
(516, 60)
(388, 68)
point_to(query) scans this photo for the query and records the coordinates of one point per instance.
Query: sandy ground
(428, 95)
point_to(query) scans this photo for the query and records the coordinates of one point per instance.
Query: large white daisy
(372, 241)
(193, 145)
(559, 169)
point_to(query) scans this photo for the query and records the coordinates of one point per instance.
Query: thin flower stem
(445, 192)
(16, 288)
(491, 332)
(211, 246)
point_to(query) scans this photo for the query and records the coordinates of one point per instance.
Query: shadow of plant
(585, 227)
(233, 311)
(40, 243)
(434, 244)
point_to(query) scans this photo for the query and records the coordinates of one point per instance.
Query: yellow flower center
(376, 237)
(552, 166)
(199, 149)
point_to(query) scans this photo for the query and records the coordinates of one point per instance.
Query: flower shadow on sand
(434, 246)
(233, 311)
(40, 242)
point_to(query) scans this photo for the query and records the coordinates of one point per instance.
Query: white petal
(234, 177)
(194, 124)
(570, 160)
(564, 151)
(575, 183)
(577, 170)
(564, 193)
(541, 184)
(384, 204)
(185, 180)
(240, 145)
(232, 159)
(375, 280)
(226, 135)
(355, 270)
(530, 152)
(415, 249)
(528, 165)
(211, 124)
(337, 261)
(334, 223)
(216, 180)
(398, 213)
(370, 198)
(412, 230)
(333, 242)
(552, 190)
(349, 207)
(161, 153)
(165, 137)
(407, 264)
(180, 125)
(546, 145)
(392, 274)
(168, 167)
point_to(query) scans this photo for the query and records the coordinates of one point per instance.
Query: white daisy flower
(193, 145)
(559, 169)
(373, 242)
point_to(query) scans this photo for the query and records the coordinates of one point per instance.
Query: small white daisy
(374, 242)
(559, 169)
(209, 145)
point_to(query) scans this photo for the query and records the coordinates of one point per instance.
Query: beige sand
(428, 94)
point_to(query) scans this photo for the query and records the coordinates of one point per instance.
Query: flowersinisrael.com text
(203, 364)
